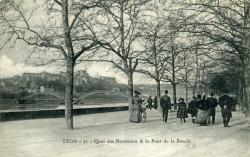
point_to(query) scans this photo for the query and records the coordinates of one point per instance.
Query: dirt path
(49, 137)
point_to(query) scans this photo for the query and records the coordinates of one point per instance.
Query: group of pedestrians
(202, 109)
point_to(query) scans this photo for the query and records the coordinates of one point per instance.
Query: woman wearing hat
(136, 115)
(182, 110)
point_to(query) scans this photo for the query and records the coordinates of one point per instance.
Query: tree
(225, 23)
(153, 38)
(64, 28)
(173, 50)
(247, 45)
(120, 34)
(188, 69)
(224, 82)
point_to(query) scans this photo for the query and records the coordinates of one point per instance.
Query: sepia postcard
(124, 78)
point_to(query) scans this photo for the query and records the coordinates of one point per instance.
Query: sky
(14, 61)
(11, 65)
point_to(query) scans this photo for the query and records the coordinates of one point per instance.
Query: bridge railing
(108, 92)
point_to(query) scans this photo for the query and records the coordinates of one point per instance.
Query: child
(182, 110)
(143, 111)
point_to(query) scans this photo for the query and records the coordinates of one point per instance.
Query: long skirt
(135, 115)
(202, 116)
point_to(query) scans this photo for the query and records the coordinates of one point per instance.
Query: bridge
(41, 95)
(101, 95)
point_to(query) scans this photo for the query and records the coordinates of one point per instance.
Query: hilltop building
(111, 80)
(81, 77)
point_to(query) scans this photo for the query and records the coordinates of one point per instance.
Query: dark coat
(149, 101)
(182, 110)
(192, 108)
(227, 112)
(213, 104)
(165, 102)
(198, 103)
(226, 103)
(155, 102)
(203, 104)
(137, 100)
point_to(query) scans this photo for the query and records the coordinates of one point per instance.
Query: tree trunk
(174, 85)
(193, 90)
(247, 91)
(246, 79)
(173, 81)
(197, 76)
(186, 86)
(186, 75)
(244, 86)
(158, 92)
(174, 95)
(246, 82)
(186, 82)
(158, 88)
(240, 93)
(69, 94)
(130, 90)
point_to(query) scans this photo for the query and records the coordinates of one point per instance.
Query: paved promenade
(111, 135)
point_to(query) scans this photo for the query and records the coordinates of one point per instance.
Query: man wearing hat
(213, 104)
(165, 103)
(136, 108)
(150, 101)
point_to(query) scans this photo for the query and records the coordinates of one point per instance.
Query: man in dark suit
(150, 101)
(155, 102)
(165, 103)
(192, 108)
(226, 104)
(213, 104)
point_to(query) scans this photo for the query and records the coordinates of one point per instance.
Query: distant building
(46, 89)
(42, 90)
(81, 77)
(44, 75)
(81, 73)
(62, 74)
(40, 82)
(32, 87)
(2, 84)
(49, 77)
(112, 80)
(7, 86)
(30, 76)
(116, 90)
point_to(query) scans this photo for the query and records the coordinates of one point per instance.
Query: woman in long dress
(203, 110)
(136, 111)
